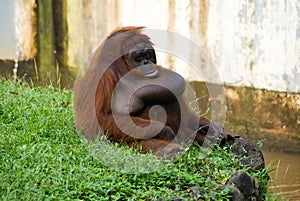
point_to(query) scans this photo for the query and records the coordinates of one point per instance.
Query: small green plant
(260, 143)
(44, 158)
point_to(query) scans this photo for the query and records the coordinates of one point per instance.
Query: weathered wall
(17, 38)
(88, 23)
(253, 43)
(8, 39)
(256, 43)
(18, 29)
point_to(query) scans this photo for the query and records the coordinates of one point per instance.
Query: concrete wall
(17, 38)
(8, 46)
(17, 29)
(252, 43)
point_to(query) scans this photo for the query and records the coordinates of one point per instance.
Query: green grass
(43, 157)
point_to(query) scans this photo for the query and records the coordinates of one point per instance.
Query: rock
(250, 152)
(236, 195)
(246, 188)
(242, 186)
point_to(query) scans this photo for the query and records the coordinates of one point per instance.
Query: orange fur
(93, 95)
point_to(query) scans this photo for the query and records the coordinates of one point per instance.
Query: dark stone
(236, 195)
(250, 152)
(246, 187)
(242, 187)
